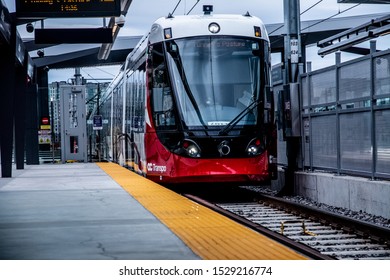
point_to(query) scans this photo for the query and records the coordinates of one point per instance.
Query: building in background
(93, 92)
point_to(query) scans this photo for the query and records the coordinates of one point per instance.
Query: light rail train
(192, 103)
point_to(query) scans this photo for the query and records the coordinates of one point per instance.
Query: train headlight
(193, 151)
(214, 27)
(252, 150)
(191, 148)
(254, 147)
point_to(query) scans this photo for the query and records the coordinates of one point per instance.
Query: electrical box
(289, 110)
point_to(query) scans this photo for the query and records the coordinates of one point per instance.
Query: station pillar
(7, 81)
(43, 98)
(20, 111)
(31, 133)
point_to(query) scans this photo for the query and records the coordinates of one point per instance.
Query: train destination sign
(67, 8)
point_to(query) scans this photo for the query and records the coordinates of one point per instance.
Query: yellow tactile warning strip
(210, 235)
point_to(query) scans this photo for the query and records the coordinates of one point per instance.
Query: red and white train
(192, 103)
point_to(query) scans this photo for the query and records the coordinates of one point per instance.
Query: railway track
(316, 233)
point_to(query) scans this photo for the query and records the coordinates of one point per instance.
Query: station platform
(88, 211)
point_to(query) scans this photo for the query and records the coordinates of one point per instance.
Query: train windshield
(216, 78)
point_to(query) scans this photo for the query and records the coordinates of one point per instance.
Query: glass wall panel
(355, 141)
(324, 141)
(323, 87)
(355, 80)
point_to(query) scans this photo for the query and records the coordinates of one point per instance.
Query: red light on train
(186, 144)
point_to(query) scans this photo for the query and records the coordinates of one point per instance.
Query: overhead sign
(73, 36)
(67, 8)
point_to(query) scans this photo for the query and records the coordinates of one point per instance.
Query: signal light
(186, 144)
(257, 31)
(168, 33)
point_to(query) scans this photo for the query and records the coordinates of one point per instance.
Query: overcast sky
(142, 13)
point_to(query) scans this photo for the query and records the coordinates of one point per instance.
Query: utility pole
(293, 66)
(77, 76)
(292, 40)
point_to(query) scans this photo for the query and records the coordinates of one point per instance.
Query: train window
(163, 113)
(217, 78)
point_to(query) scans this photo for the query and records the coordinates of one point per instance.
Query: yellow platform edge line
(210, 235)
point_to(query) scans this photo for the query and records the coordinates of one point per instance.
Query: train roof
(198, 25)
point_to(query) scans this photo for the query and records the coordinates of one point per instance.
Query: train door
(73, 124)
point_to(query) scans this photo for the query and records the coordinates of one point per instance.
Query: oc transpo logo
(152, 167)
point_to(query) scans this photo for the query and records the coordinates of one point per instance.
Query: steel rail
(299, 247)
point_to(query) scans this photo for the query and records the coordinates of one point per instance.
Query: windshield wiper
(228, 127)
(187, 88)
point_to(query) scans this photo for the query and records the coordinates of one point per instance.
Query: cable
(339, 13)
(105, 71)
(311, 7)
(321, 21)
(82, 69)
(276, 29)
(308, 9)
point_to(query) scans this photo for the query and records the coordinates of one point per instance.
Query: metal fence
(345, 117)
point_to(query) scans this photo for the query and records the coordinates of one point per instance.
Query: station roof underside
(82, 55)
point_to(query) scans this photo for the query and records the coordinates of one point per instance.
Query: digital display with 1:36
(67, 8)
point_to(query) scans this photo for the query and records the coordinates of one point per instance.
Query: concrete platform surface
(76, 211)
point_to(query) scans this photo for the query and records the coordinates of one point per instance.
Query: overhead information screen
(67, 8)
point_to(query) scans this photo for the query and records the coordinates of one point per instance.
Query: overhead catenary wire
(308, 9)
(332, 16)
(311, 7)
(104, 71)
(321, 21)
(96, 79)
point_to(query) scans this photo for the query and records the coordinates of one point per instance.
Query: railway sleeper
(343, 247)
(360, 254)
(325, 232)
(337, 242)
(330, 236)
